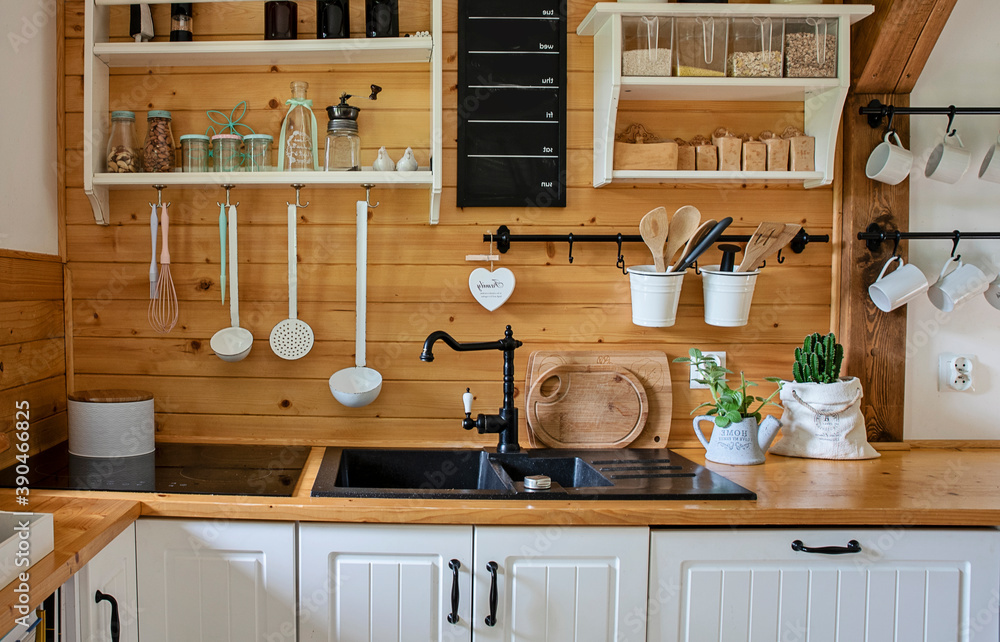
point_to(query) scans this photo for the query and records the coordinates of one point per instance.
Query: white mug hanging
(491, 288)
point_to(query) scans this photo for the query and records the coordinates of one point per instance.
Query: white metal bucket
(727, 296)
(655, 296)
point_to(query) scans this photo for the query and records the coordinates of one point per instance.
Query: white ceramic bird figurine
(383, 163)
(407, 163)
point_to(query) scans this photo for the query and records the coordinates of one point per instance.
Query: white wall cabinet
(384, 582)
(556, 583)
(904, 585)
(113, 572)
(225, 581)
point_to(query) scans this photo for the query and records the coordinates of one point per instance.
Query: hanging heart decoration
(491, 288)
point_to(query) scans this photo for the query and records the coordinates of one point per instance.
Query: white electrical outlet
(720, 358)
(955, 373)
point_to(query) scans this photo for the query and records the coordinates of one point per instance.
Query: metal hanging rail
(874, 235)
(876, 111)
(503, 238)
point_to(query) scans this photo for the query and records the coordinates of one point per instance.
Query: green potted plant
(822, 411)
(739, 436)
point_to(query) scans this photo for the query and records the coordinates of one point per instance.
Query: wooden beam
(889, 49)
(874, 341)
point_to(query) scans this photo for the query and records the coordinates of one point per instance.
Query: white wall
(28, 195)
(964, 70)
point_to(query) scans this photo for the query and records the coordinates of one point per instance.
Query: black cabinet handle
(454, 565)
(852, 547)
(115, 623)
(491, 619)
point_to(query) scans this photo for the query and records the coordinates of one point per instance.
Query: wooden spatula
(653, 228)
(697, 236)
(683, 224)
(765, 242)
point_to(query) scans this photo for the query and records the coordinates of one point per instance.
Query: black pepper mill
(281, 18)
(180, 22)
(333, 19)
(381, 18)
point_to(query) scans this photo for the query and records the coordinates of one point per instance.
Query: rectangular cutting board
(650, 367)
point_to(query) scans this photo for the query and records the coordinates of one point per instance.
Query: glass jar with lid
(755, 47)
(123, 148)
(194, 153)
(647, 45)
(811, 48)
(343, 145)
(226, 152)
(701, 46)
(257, 149)
(158, 152)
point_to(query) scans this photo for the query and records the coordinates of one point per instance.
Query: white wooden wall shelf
(100, 55)
(822, 98)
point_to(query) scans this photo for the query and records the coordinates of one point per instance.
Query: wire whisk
(163, 310)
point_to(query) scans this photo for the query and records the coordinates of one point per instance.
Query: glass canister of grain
(647, 47)
(158, 152)
(811, 48)
(123, 149)
(258, 152)
(194, 153)
(755, 48)
(701, 46)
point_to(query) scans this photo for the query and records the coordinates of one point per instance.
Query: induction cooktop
(207, 469)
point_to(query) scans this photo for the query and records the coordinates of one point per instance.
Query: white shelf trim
(645, 176)
(420, 178)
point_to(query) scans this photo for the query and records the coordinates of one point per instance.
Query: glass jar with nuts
(123, 150)
(755, 47)
(158, 152)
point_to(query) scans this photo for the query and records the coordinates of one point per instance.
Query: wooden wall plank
(44, 433)
(23, 363)
(23, 321)
(26, 279)
(46, 397)
(874, 341)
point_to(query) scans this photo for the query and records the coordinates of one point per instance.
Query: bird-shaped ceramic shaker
(407, 163)
(383, 163)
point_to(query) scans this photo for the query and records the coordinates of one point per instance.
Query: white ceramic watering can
(741, 444)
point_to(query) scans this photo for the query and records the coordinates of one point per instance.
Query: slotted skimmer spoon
(292, 338)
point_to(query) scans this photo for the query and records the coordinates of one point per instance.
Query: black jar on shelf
(180, 22)
(333, 19)
(381, 18)
(281, 19)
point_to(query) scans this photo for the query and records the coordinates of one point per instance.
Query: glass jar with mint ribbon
(297, 142)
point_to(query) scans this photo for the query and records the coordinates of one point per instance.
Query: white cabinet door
(383, 582)
(112, 572)
(218, 581)
(555, 584)
(904, 585)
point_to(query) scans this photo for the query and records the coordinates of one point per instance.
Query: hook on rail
(159, 196)
(298, 204)
(956, 237)
(951, 119)
(228, 187)
(569, 237)
(368, 194)
(620, 263)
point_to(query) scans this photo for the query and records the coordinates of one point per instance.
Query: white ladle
(233, 343)
(359, 386)
(292, 338)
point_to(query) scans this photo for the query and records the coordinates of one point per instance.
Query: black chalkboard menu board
(511, 103)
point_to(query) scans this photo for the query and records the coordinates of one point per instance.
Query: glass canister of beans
(810, 48)
(158, 152)
(123, 149)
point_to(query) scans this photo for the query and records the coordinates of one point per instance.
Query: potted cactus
(822, 411)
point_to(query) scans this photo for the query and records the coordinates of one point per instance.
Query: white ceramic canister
(111, 423)
(727, 296)
(655, 296)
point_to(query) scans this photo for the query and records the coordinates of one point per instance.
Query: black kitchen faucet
(504, 423)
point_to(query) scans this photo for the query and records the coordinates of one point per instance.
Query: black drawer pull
(454, 565)
(115, 623)
(491, 619)
(852, 547)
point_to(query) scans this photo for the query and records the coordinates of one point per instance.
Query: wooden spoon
(683, 224)
(697, 236)
(777, 236)
(653, 228)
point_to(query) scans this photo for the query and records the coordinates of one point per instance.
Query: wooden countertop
(925, 487)
(83, 526)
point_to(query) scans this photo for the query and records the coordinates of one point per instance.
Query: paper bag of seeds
(706, 155)
(685, 155)
(777, 151)
(754, 154)
(802, 150)
(637, 148)
(729, 147)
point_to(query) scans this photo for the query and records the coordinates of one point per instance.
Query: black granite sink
(480, 474)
